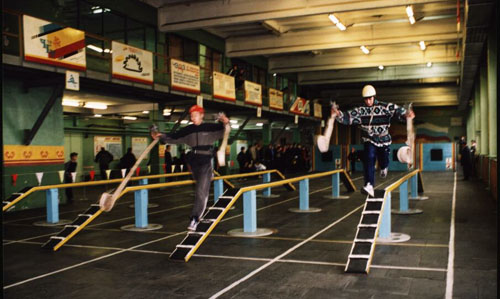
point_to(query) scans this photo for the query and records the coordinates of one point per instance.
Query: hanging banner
(49, 43)
(275, 99)
(14, 179)
(123, 172)
(73, 177)
(112, 144)
(32, 155)
(137, 171)
(131, 64)
(108, 172)
(253, 93)
(149, 168)
(61, 175)
(184, 76)
(72, 80)
(300, 106)
(92, 175)
(317, 111)
(223, 87)
(39, 176)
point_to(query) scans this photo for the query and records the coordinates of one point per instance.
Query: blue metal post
(304, 194)
(403, 197)
(52, 205)
(414, 186)
(218, 189)
(267, 178)
(385, 226)
(141, 205)
(249, 212)
(335, 185)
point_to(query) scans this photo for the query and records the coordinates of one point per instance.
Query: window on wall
(210, 61)
(89, 20)
(190, 51)
(174, 47)
(136, 34)
(114, 27)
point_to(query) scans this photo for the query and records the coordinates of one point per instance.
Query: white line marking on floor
(223, 291)
(451, 245)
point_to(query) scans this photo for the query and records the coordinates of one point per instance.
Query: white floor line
(234, 284)
(89, 261)
(137, 246)
(451, 245)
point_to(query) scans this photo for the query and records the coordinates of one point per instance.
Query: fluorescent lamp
(95, 48)
(412, 20)
(409, 12)
(233, 121)
(380, 67)
(130, 117)
(94, 105)
(422, 45)
(429, 64)
(274, 75)
(336, 21)
(145, 112)
(184, 121)
(259, 124)
(365, 50)
(235, 126)
(71, 103)
(97, 115)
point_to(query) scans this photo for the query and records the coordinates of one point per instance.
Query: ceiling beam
(181, 16)
(353, 58)
(391, 73)
(331, 38)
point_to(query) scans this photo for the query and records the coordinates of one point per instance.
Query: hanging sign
(49, 43)
(253, 93)
(39, 176)
(259, 111)
(184, 76)
(131, 64)
(72, 80)
(61, 175)
(300, 106)
(317, 111)
(199, 100)
(275, 99)
(223, 87)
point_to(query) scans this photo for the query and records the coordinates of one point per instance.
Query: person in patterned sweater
(374, 119)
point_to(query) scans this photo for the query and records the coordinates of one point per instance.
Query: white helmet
(368, 91)
(404, 154)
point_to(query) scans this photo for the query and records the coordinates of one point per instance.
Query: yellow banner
(31, 155)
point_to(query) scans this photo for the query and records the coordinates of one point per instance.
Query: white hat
(323, 144)
(404, 154)
(368, 91)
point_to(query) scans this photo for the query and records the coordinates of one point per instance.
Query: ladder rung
(17, 193)
(364, 240)
(184, 246)
(196, 233)
(71, 225)
(215, 208)
(85, 215)
(375, 199)
(6, 202)
(57, 237)
(95, 205)
(222, 196)
(371, 212)
(359, 256)
(367, 225)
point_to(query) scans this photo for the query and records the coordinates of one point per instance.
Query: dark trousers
(202, 174)
(373, 152)
(68, 191)
(353, 166)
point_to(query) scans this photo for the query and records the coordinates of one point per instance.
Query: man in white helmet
(374, 119)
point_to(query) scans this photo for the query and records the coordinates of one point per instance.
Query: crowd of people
(288, 158)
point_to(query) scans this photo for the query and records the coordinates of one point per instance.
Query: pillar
(492, 89)
(484, 109)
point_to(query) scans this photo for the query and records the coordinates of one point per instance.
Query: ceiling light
(95, 48)
(235, 126)
(429, 64)
(274, 75)
(409, 12)
(94, 105)
(380, 67)
(71, 103)
(130, 117)
(422, 45)
(336, 21)
(259, 124)
(145, 112)
(97, 115)
(184, 121)
(233, 121)
(365, 50)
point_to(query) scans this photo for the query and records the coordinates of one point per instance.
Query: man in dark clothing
(465, 159)
(70, 167)
(473, 157)
(128, 160)
(103, 158)
(353, 157)
(242, 160)
(200, 136)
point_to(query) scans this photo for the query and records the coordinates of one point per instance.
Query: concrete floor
(104, 261)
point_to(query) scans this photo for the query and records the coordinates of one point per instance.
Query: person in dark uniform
(70, 167)
(200, 136)
(465, 159)
(103, 158)
(128, 160)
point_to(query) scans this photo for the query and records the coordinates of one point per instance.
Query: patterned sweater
(374, 121)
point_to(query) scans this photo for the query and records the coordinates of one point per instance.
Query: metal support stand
(141, 211)
(304, 199)
(250, 219)
(336, 188)
(385, 235)
(403, 202)
(266, 193)
(52, 196)
(414, 189)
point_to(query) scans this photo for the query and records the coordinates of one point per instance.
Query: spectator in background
(103, 158)
(353, 157)
(128, 160)
(70, 167)
(465, 159)
(243, 160)
(473, 156)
